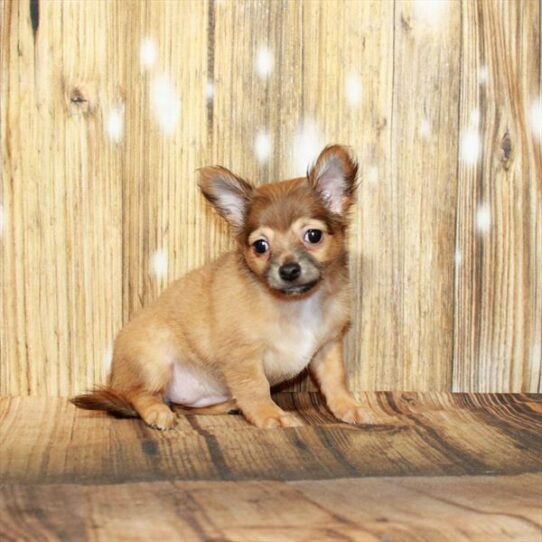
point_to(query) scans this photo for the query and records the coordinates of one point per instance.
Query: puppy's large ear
(333, 176)
(228, 193)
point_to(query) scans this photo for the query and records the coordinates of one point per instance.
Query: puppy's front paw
(349, 413)
(282, 419)
(353, 413)
(160, 417)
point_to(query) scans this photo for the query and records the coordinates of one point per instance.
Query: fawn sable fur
(220, 336)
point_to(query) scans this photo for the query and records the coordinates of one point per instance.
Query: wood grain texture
(164, 232)
(413, 295)
(415, 435)
(61, 241)
(346, 45)
(498, 307)
(422, 509)
(108, 109)
(73, 475)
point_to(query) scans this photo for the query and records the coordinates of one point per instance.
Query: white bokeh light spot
(425, 128)
(483, 218)
(352, 89)
(159, 264)
(470, 147)
(165, 104)
(264, 62)
(147, 53)
(372, 175)
(430, 12)
(115, 123)
(262, 146)
(209, 90)
(458, 257)
(308, 142)
(483, 75)
(108, 359)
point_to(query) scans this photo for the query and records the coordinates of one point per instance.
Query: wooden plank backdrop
(108, 108)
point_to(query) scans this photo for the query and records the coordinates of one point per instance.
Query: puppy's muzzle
(294, 277)
(290, 271)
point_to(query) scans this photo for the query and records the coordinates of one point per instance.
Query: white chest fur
(294, 338)
(193, 387)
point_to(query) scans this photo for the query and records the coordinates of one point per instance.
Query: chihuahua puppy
(257, 316)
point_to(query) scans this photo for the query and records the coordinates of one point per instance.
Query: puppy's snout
(289, 271)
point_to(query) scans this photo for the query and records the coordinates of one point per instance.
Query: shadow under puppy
(257, 316)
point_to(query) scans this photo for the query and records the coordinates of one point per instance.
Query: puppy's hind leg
(151, 407)
(142, 375)
(126, 403)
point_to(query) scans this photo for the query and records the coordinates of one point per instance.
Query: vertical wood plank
(408, 235)
(347, 91)
(425, 126)
(163, 236)
(61, 248)
(258, 102)
(498, 319)
(257, 55)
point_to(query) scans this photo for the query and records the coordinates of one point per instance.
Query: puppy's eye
(313, 236)
(261, 246)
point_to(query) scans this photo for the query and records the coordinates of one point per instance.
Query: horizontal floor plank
(50, 441)
(447, 509)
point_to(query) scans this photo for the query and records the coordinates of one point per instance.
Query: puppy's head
(291, 233)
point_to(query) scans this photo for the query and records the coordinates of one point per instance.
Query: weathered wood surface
(50, 441)
(67, 474)
(421, 202)
(61, 195)
(498, 305)
(449, 509)
(99, 208)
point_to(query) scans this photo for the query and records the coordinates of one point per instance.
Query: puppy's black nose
(289, 271)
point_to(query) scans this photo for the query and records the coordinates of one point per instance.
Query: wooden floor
(430, 467)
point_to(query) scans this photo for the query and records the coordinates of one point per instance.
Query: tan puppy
(257, 316)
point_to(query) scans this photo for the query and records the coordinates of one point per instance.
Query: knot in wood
(506, 147)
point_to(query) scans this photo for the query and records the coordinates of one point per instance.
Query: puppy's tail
(104, 398)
